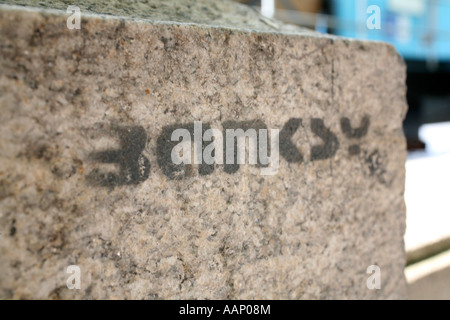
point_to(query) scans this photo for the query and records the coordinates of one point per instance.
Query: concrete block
(87, 177)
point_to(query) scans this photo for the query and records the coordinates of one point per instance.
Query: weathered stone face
(86, 176)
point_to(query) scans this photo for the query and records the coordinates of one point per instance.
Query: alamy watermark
(74, 21)
(229, 150)
(374, 281)
(74, 280)
(374, 20)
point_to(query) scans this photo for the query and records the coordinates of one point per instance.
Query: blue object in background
(419, 29)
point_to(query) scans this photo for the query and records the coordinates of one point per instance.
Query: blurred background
(420, 31)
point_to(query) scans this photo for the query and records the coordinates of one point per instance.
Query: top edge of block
(220, 14)
(216, 14)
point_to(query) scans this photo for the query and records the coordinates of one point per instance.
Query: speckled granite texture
(73, 100)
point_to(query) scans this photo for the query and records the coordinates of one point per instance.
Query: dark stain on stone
(39, 150)
(42, 152)
(12, 229)
(330, 145)
(287, 148)
(376, 163)
(164, 147)
(355, 133)
(134, 167)
(354, 150)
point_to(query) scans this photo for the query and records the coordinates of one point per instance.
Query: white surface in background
(268, 8)
(409, 7)
(437, 137)
(427, 192)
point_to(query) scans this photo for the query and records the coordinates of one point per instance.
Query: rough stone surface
(141, 231)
